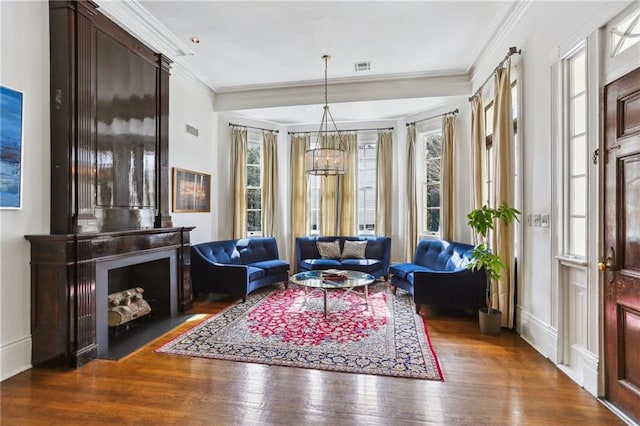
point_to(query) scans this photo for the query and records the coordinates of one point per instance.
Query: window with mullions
(575, 129)
(366, 184)
(625, 34)
(489, 170)
(367, 187)
(254, 185)
(488, 192)
(431, 184)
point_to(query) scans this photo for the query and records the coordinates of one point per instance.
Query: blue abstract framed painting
(10, 148)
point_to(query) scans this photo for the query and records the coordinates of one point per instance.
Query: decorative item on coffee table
(334, 275)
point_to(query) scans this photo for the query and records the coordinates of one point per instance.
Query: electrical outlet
(536, 220)
(544, 220)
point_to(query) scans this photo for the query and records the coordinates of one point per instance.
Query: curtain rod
(454, 112)
(340, 131)
(512, 51)
(251, 127)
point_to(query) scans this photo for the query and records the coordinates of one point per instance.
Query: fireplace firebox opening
(153, 272)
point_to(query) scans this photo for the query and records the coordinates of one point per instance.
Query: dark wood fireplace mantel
(64, 286)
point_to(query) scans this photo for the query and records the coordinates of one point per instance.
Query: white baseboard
(540, 335)
(15, 357)
(591, 369)
(545, 339)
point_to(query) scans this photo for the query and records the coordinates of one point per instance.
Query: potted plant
(482, 257)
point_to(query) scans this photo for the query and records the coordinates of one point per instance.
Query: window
(314, 203)
(431, 184)
(625, 34)
(367, 187)
(516, 164)
(489, 172)
(254, 184)
(576, 146)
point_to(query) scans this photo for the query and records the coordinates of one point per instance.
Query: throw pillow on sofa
(354, 249)
(329, 250)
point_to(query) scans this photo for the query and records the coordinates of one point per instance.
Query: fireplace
(70, 277)
(154, 272)
(109, 104)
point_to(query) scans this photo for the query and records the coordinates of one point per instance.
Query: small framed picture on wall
(191, 191)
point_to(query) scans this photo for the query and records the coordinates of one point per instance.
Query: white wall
(192, 103)
(24, 67)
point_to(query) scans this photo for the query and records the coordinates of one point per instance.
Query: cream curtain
(348, 187)
(269, 182)
(411, 221)
(447, 204)
(478, 148)
(299, 196)
(384, 189)
(329, 193)
(239, 181)
(503, 142)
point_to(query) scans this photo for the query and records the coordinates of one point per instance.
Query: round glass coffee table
(346, 280)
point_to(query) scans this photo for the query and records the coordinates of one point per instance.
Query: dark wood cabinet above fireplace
(109, 180)
(109, 125)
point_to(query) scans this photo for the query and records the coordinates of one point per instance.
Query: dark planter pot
(490, 323)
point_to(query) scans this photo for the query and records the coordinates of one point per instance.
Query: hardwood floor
(488, 380)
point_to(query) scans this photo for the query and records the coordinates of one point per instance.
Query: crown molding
(513, 17)
(134, 18)
(185, 72)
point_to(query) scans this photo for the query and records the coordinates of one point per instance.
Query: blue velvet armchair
(438, 276)
(236, 267)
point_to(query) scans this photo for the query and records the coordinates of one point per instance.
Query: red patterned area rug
(288, 327)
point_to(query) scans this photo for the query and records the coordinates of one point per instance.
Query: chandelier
(325, 161)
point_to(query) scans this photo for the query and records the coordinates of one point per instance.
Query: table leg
(366, 294)
(325, 302)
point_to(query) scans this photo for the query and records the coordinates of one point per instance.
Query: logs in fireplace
(127, 305)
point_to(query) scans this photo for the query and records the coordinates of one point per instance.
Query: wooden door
(622, 243)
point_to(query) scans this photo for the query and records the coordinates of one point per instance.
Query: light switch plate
(544, 220)
(536, 220)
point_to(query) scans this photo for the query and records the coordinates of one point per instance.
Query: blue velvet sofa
(438, 276)
(376, 258)
(236, 267)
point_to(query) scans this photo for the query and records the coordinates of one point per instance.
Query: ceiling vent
(362, 66)
(192, 130)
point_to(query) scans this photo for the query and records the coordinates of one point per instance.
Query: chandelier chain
(326, 97)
